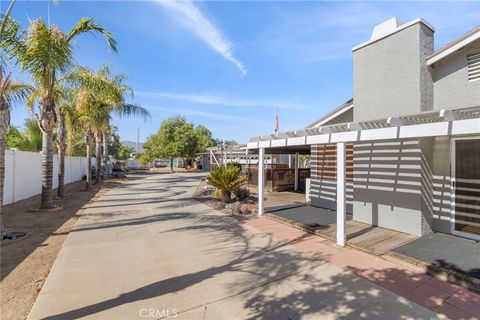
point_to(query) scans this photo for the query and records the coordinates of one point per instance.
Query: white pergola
(427, 124)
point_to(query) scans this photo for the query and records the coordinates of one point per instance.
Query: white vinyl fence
(23, 173)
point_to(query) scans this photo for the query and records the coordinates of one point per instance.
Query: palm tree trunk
(98, 157)
(47, 124)
(61, 155)
(47, 170)
(105, 155)
(88, 145)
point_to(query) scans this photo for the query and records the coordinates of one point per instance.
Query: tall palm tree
(107, 95)
(46, 53)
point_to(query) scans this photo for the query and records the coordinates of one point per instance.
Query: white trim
(297, 141)
(252, 145)
(279, 143)
(454, 48)
(332, 116)
(452, 190)
(264, 144)
(403, 26)
(261, 180)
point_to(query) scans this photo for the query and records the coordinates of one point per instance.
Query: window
(473, 66)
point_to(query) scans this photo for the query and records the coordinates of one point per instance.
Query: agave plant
(226, 179)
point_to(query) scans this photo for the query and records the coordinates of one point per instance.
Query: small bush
(241, 193)
(217, 194)
(226, 179)
(234, 164)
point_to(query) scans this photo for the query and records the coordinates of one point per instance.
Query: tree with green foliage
(175, 138)
(205, 139)
(46, 53)
(30, 139)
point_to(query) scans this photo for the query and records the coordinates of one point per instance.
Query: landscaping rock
(245, 209)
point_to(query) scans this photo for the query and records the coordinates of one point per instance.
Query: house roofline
(400, 28)
(455, 45)
(332, 114)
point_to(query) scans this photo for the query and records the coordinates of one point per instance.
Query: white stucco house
(404, 153)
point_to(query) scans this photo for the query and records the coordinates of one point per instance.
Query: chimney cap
(385, 28)
(388, 28)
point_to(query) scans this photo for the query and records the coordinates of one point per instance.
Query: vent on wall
(473, 65)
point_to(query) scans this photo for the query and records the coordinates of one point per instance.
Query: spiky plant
(226, 179)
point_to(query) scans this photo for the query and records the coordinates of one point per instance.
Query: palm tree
(102, 94)
(46, 52)
(30, 139)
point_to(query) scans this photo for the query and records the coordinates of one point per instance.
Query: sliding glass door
(466, 187)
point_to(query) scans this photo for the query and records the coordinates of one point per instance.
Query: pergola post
(341, 203)
(261, 180)
(211, 161)
(296, 172)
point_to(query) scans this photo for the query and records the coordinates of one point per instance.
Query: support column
(261, 180)
(211, 161)
(341, 205)
(296, 172)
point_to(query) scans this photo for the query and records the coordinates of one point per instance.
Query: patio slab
(460, 254)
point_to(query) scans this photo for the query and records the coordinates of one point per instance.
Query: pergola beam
(430, 129)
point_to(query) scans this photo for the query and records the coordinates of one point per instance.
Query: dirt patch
(25, 263)
(205, 195)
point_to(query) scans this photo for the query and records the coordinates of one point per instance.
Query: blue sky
(230, 65)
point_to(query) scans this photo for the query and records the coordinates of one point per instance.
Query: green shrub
(218, 194)
(241, 193)
(234, 164)
(226, 179)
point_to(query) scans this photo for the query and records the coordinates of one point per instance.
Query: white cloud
(193, 19)
(205, 114)
(208, 99)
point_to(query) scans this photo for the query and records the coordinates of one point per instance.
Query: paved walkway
(146, 250)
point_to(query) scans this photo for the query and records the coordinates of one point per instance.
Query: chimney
(390, 74)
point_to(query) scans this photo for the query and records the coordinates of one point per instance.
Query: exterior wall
(23, 177)
(452, 90)
(390, 76)
(323, 182)
(388, 183)
(438, 161)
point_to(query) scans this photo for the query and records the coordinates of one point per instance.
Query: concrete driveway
(147, 250)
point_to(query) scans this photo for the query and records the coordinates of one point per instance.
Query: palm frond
(90, 25)
(127, 110)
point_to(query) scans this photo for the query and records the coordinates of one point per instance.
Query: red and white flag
(275, 130)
